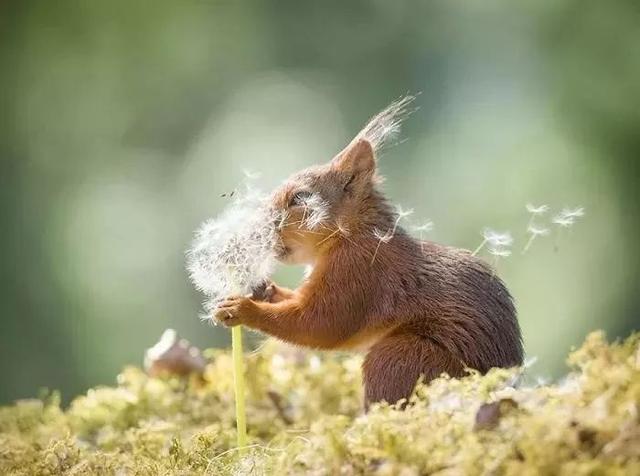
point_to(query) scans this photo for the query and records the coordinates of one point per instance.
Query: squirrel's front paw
(266, 292)
(234, 310)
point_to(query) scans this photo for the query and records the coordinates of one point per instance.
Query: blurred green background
(123, 122)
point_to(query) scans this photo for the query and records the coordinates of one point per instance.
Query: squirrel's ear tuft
(356, 159)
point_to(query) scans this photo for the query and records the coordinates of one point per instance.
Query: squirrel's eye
(299, 198)
(349, 182)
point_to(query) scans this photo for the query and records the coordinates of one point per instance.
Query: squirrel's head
(320, 202)
(323, 203)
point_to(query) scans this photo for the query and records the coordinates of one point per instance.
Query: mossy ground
(304, 414)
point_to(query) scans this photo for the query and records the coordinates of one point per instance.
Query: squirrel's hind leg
(393, 365)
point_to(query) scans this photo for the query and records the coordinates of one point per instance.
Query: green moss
(304, 415)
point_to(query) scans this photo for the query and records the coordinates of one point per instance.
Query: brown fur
(421, 309)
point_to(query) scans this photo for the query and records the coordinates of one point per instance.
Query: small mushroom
(173, 356)
(489, 414)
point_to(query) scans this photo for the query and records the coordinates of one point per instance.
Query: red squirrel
(418, 309)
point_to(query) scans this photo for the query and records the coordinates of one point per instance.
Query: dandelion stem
(530, 222)
(375, 253)
(239, 387)
(477, 250)
(238, 376)
(337, 230)
(231, 255)
(529, 243)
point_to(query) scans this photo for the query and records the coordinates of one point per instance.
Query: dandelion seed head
(537, 231)
(235, 252)
(537, 210)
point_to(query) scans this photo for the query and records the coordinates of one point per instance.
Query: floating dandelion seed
(568, 216)
(342, 229)
(537, 210)
(382, 238)
(316, 211)
(385, 125)
(563, 221)
(530, 362)
(542, 381)
(534, 232)
(497, 240)
(386, 236)
(573, 212)
(402, 213)
(500, 252)
(566, 219)
(235, 252)
(251, 174)
(499, 246)
(425, 227)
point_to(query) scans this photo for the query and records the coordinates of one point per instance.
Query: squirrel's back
(440, 293)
